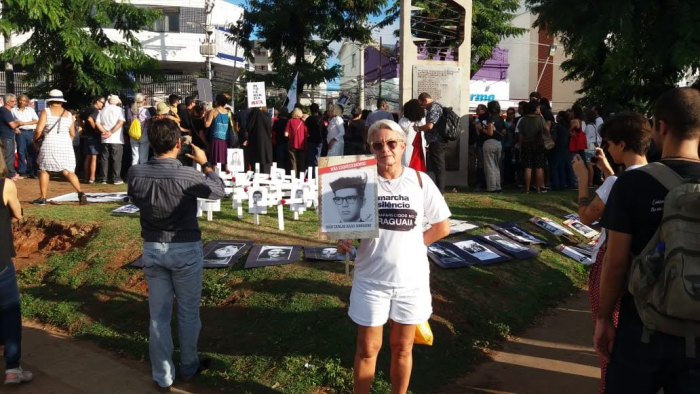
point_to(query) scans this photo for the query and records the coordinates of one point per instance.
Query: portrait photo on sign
(479, 253)
(514, 231)
(325, 253)
(224, 253)
(551, 226)
(580, 228)
(257, 195)
(507, 245)
(278, 174)
(348, 201)
(235, 160)
(443, 256)
(266, 255)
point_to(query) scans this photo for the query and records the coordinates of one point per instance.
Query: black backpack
(449, 124)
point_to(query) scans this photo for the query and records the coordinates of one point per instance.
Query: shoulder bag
(40, 141)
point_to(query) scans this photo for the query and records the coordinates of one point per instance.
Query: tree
(69, 50)
(290, 29)
(625, 52)
(440, 22)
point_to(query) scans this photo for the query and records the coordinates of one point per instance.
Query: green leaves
(68, 42)
(291, 28)
(626, 52)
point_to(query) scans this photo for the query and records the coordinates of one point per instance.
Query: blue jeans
(10, 317)
(26, 153)
(173, 269)
(9, 153)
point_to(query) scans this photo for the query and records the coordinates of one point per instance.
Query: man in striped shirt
(166, 193)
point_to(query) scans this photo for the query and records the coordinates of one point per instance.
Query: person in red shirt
(297, 133)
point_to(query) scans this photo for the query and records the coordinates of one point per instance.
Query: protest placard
(256, 94)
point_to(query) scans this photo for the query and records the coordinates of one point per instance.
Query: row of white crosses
(262, 191)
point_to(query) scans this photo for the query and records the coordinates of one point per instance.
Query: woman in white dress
(413, 115)
(57, 129)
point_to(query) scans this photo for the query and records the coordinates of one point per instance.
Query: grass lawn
(285, 329)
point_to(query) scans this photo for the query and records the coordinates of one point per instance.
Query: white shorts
(372, 304)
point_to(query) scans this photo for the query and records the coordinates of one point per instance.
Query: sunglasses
(392, 144)
(348, 200)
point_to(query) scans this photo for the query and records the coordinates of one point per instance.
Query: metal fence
(182, 85)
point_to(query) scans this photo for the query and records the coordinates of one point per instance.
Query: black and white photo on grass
(551, 226)
(266, 255)
(443, 256)
(509, 246)
(224, 253)
(478, 253)
(514, 231)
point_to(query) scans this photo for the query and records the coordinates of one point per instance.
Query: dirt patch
(33, 239)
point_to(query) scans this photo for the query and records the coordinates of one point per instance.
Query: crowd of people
(575, 149)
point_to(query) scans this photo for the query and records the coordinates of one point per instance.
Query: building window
(261, 67)
(170, 22)
(354, 61)
(261, 52)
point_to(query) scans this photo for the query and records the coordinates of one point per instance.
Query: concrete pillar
(454, 89)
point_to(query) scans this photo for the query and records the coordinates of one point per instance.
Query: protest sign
(256, 94)
(348, 197)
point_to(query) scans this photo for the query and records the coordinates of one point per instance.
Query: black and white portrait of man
(275, 253)
(349, 197)
(506, 243)
(257, 197)
(477, 250)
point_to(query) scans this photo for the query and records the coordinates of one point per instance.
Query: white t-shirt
(27, 114)
(603, 193)
(592, 136)
(336, 129)
(407, 127)
(398, 258)
(108, 118)
(378, 115)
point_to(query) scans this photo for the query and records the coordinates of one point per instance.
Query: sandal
(20, 376)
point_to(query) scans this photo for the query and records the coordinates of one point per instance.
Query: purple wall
(390, 63)
(496, 68)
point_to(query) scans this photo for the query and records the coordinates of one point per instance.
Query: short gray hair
(8, 97)
(387, 125)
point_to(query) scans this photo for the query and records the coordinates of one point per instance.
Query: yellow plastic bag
(424, 335)
(135, 129)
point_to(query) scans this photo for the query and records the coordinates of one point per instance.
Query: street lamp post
(207, 47)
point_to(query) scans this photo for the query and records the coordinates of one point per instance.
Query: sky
(387, 35)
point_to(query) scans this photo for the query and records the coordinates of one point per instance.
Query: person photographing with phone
(166, 193)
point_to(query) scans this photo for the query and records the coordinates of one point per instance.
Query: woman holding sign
(391, 279)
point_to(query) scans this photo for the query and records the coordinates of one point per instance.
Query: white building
(175, 39)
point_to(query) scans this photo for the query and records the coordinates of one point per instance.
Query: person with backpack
(652, 263)
(627, 140)
(436, 141)
(138, 120)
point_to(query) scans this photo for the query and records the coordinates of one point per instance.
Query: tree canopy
(439, 22)
(292, 28)
(68, 43)
(625, 52)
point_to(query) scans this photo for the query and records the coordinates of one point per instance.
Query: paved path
(554, 356)
(62, 365)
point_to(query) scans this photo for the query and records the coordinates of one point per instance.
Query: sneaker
(119, 182)
(91, 182)
(39, 201)
(17, 375)
(82, 198)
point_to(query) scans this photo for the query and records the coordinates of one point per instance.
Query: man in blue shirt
(8, 130)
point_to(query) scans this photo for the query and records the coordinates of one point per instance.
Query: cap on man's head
(357, 182)
(162, 108)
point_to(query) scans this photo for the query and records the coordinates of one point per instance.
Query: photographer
(166, 193)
